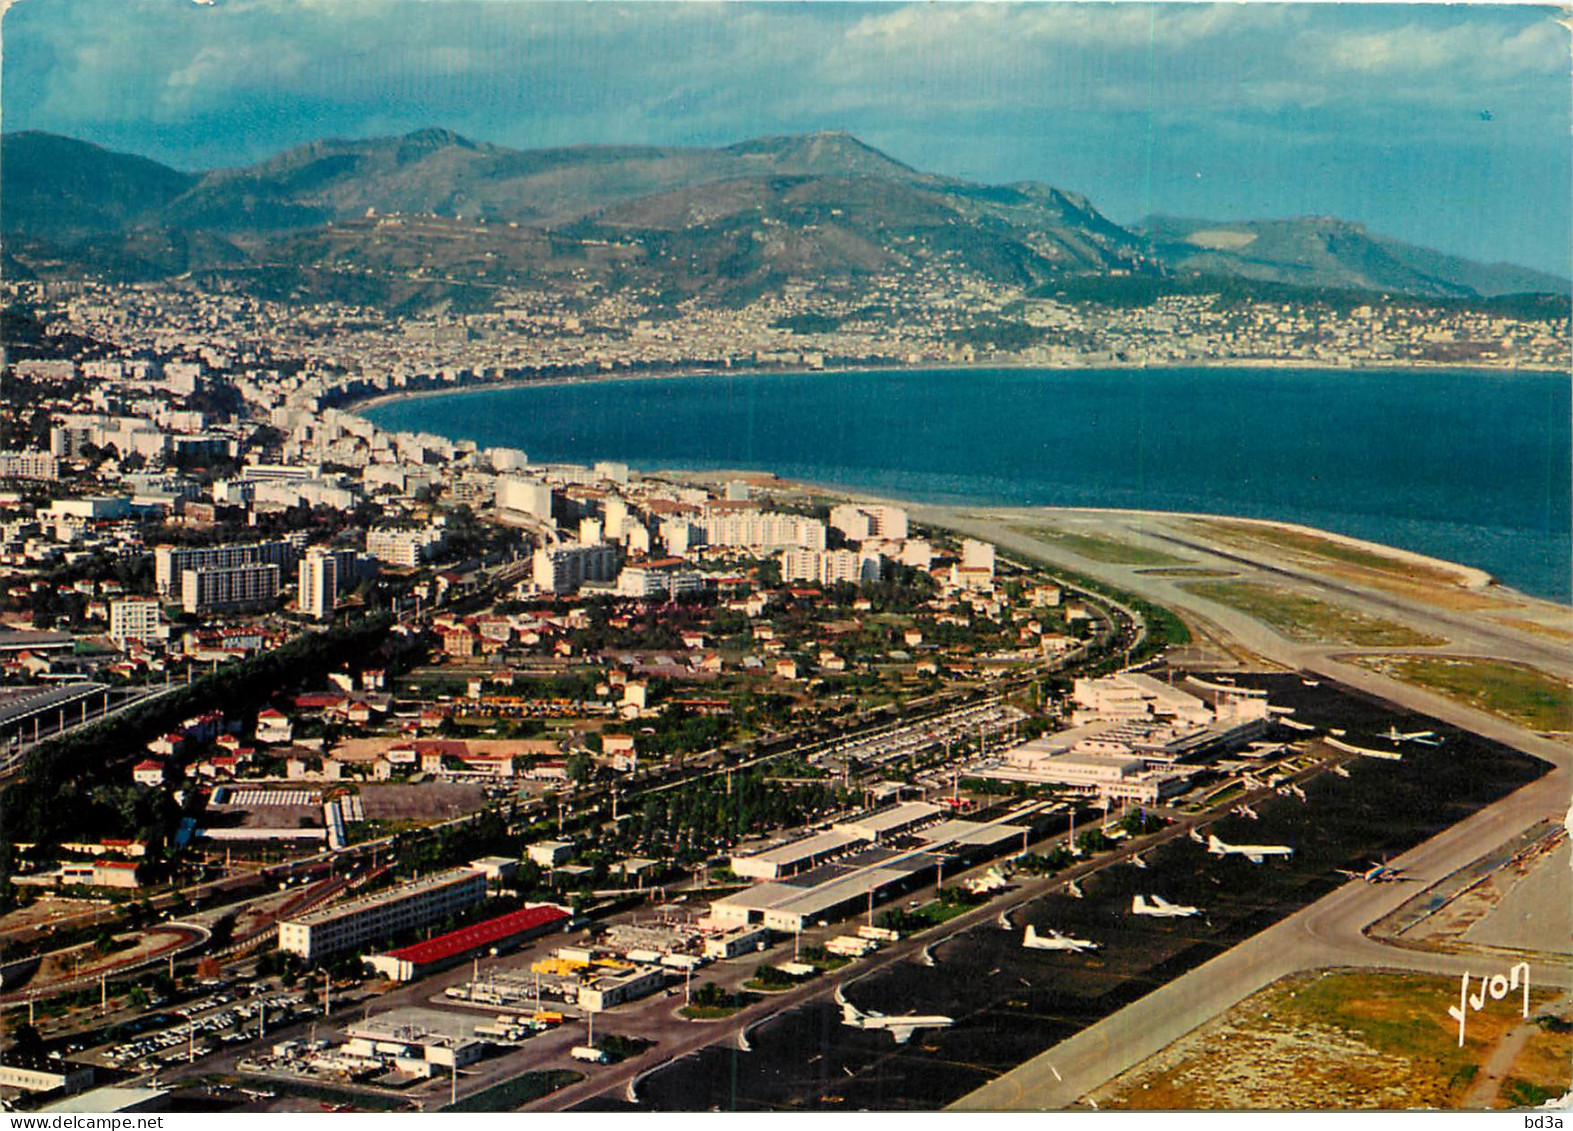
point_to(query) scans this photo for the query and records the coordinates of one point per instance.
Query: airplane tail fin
(1031, 936)
(1138, 905)
(1214, 845)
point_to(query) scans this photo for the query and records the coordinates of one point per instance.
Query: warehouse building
(411, 962)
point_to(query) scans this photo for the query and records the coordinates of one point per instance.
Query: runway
(1329, 932)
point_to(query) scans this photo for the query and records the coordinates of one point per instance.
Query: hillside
(431, 218)
(1326, 252)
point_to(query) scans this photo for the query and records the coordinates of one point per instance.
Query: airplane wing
(903, 1033)
(1254, 857)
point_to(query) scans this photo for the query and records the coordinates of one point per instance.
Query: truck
(588, 1053)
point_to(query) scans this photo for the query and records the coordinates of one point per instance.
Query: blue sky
(1445, 125)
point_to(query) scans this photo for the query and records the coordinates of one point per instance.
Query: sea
(1469, 466)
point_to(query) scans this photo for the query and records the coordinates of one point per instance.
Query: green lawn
(1304, 618)
(1516, 692)
(510, 1094)
(1101, 548)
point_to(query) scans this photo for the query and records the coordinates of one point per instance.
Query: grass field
(1329, 549)
(519, 1090)
(1099, 548)
(1344, 1040)
(1305, 618)
(1516, 692)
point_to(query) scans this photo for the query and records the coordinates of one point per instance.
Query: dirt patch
(430, 801)
(1337, 1040)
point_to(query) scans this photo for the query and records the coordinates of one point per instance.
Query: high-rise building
(319, 583)
(133, 618)
(220, 589)
(526, 496)
(563, 568)
(763, 530)
(170, 563)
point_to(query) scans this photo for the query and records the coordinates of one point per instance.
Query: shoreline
(383, 400)
(1470, 576)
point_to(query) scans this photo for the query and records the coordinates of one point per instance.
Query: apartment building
(133, 618)
(407, 548)
(563, 568)
(828, 567)
(319, 582)
(763, 530)
(170, 563)
(342, 927)
(218, 589)
(29, 465)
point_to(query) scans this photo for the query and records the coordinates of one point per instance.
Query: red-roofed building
(416, 961)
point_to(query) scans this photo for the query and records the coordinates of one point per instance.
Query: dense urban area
(297, 713)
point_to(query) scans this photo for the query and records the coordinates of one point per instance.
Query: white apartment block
(861, 523)
(333, 929)
(29, 465)
(170, 563)
(525, 496)
(406, 548)
(563, 568)
(764, 530)
(646, 583)
(977, 555)
(133, 618)
(828, 567)
(217, 589)
(319, 583)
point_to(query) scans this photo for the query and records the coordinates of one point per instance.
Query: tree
(579, 767)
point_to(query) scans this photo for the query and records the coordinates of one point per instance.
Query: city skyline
(1423, 122)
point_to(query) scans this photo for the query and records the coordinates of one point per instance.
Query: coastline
(382, 400)
(1470, 576)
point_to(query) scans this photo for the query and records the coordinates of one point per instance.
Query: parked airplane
(1137, 861)
(1255, 853)
(1196, 834)
(1054, 941)
(1423, 737)
(990, 881)
(1004, 921)
(901, 1028)
(1376, 874)
(1161, 908)
(1073, 889)
(1246, 811)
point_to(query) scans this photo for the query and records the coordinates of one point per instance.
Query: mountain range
(431, 218)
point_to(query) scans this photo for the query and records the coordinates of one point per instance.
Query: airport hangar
(868, 871)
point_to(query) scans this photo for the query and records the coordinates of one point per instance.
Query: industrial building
(420, 1035)
(342, 927)
(411, 962)
(875, 872)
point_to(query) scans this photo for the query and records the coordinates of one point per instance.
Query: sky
(1445, 125)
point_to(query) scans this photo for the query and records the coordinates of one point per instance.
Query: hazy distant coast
(356, 404)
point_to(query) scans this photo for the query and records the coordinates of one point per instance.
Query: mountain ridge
(721, 223)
